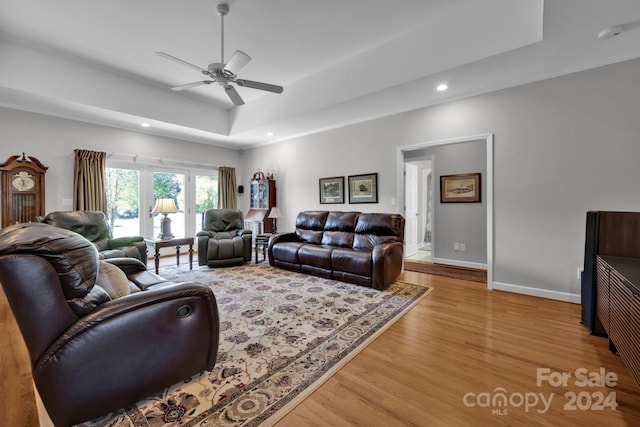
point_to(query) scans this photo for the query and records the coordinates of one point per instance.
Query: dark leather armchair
(223, 241)
(93, 225)
(101, 335)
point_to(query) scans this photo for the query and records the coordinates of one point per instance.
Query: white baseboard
(458, 263)
(537, 292)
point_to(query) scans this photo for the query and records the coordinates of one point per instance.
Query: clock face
(23, 181)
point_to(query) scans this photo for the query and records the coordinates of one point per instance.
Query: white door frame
(488, 140)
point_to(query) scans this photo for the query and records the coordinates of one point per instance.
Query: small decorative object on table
(275, 214)
(165, 206)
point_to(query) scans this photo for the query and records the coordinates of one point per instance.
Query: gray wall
(458, 222)
(52, 141)
(561, 147)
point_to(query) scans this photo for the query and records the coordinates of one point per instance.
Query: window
(123, 201)
(132, 190)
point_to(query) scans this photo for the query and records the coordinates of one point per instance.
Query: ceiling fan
(224, 74)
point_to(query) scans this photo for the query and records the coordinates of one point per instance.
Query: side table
(177, 242)
(262, 241)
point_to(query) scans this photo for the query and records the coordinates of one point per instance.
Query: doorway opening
(419, 205)
(403, 197)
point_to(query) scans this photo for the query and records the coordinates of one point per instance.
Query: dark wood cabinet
(618, 288)
(22, 189)
(263, 199)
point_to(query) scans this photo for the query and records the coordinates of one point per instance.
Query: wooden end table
(164, 243)
(262, 241)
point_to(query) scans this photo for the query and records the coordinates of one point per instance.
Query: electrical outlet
(456, 246)
(462, 247)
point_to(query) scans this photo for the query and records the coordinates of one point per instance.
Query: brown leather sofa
(101, 335)
(361, 248)
(223, 241)
(93, 225)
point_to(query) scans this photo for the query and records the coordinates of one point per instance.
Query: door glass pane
(167, 184)
(123, 203)
(206, 196)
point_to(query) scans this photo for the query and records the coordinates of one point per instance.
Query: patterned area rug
(282, 334)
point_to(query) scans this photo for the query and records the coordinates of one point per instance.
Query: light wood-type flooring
(441, 364)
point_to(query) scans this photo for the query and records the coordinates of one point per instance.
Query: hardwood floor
(461, 339)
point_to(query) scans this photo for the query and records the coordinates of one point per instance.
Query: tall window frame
(146, 200)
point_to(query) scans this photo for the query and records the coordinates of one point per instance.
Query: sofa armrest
(138, 344)
(283, 237)
(244, 232)
(137, 272)
(387, 264)
(119, 242)
(135, 241)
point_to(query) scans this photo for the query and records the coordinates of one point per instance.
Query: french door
(133, 189)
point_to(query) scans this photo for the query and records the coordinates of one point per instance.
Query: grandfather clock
(22, 189)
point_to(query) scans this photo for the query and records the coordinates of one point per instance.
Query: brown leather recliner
(101, 337)
(93, 225)
(223, 241)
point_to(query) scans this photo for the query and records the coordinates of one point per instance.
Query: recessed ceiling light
(270, 133)
(442, 87)
(145, 125)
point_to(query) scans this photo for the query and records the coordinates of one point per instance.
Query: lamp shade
(165, 205)
(275, 213)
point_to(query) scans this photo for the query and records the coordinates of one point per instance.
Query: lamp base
(165, 229)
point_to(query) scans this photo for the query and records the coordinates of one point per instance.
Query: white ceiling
(340, 61)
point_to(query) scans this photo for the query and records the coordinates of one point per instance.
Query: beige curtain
(89, 182)
(227, 188)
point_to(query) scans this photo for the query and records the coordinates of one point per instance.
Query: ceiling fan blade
(194, 84)
(180, 61)
(259, 85)
(236, 63)
(233, 95)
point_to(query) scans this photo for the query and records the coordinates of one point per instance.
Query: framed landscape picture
(332, 190)
(363, 188)
(461, 188)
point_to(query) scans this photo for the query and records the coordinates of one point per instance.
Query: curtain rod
(143, 159)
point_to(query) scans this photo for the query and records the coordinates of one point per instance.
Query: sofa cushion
(380, 224)
(337, 238)
(222, 220)
(287, 251)
(309, 236)
(369, 241)
(312, 220)
(113, 280)
(316, 256)
(341, 221)
(74, 258)
(352, 261)
(90, 224)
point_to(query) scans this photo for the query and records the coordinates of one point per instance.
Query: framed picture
(363, 188)
(461, 188)
(332, 190)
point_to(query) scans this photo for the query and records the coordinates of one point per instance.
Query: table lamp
(275, 214)
(165, 205)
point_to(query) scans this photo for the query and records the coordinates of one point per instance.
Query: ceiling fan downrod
(222, 9)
